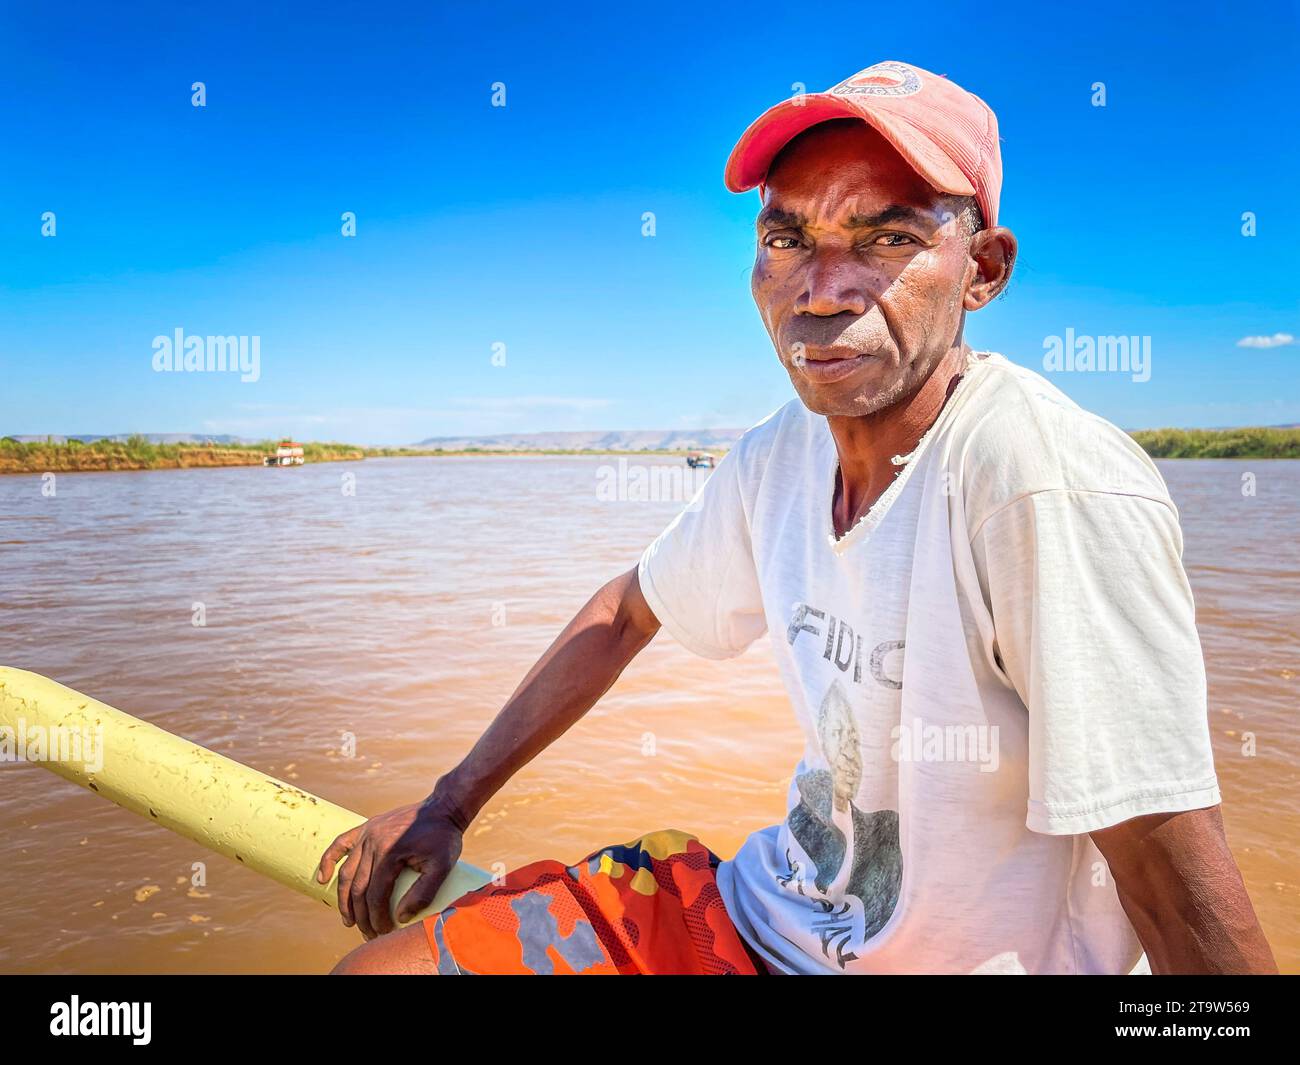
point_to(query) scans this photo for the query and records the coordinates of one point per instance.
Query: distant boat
(700, 459)
(287, 453)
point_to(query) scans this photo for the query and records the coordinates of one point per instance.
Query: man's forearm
(1202, 940)
(1209, 928)
(576, 670)
(1183, 894)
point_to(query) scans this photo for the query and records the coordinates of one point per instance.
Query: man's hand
(1180, 887)
(425, 837)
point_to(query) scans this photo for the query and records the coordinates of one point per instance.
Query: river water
(400, 601)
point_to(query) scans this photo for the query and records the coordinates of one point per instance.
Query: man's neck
(868, 443)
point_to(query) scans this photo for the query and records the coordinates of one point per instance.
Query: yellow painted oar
(263, 823)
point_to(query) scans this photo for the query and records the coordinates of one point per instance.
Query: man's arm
(1182, 891)
(576, 670)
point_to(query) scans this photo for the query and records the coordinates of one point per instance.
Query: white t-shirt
(1000, 657)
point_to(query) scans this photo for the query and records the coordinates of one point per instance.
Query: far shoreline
(80, 460)
(136, 453)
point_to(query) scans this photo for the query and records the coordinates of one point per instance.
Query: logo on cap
(884, 79)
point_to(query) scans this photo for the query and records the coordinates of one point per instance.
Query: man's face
(860, 270)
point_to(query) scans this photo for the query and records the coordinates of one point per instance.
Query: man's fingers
(368, 859)
(380, 890)
(334, 852)
(422, 891)
(364, 860)
(346, 875)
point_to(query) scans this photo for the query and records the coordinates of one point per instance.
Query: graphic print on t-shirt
(875, 859)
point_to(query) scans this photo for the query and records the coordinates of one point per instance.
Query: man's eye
(893, 240)
(782, 243)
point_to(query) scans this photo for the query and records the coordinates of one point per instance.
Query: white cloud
(1277, 340)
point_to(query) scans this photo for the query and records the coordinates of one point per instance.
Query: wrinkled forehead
(844, 167)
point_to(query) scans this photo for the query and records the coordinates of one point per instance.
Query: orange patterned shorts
(647, 907)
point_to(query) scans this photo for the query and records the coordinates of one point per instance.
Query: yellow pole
(263, 823)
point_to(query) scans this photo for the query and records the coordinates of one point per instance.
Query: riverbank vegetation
(137, 453)
(1249, 443)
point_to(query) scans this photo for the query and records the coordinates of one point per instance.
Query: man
(977, 602)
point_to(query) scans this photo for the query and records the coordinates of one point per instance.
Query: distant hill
(592, 440)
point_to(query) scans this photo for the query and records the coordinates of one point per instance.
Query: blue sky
(522, 225)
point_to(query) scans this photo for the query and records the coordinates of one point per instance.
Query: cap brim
(752, 156)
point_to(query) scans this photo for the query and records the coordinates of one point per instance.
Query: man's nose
(834, 284)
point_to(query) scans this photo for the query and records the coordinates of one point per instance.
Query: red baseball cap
(948, 135)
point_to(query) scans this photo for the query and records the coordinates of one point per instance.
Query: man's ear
(994, 253)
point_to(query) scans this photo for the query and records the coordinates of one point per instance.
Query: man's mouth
(831, 364)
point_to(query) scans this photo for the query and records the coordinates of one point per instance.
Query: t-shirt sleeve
(1095, 628)
(698, 575)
